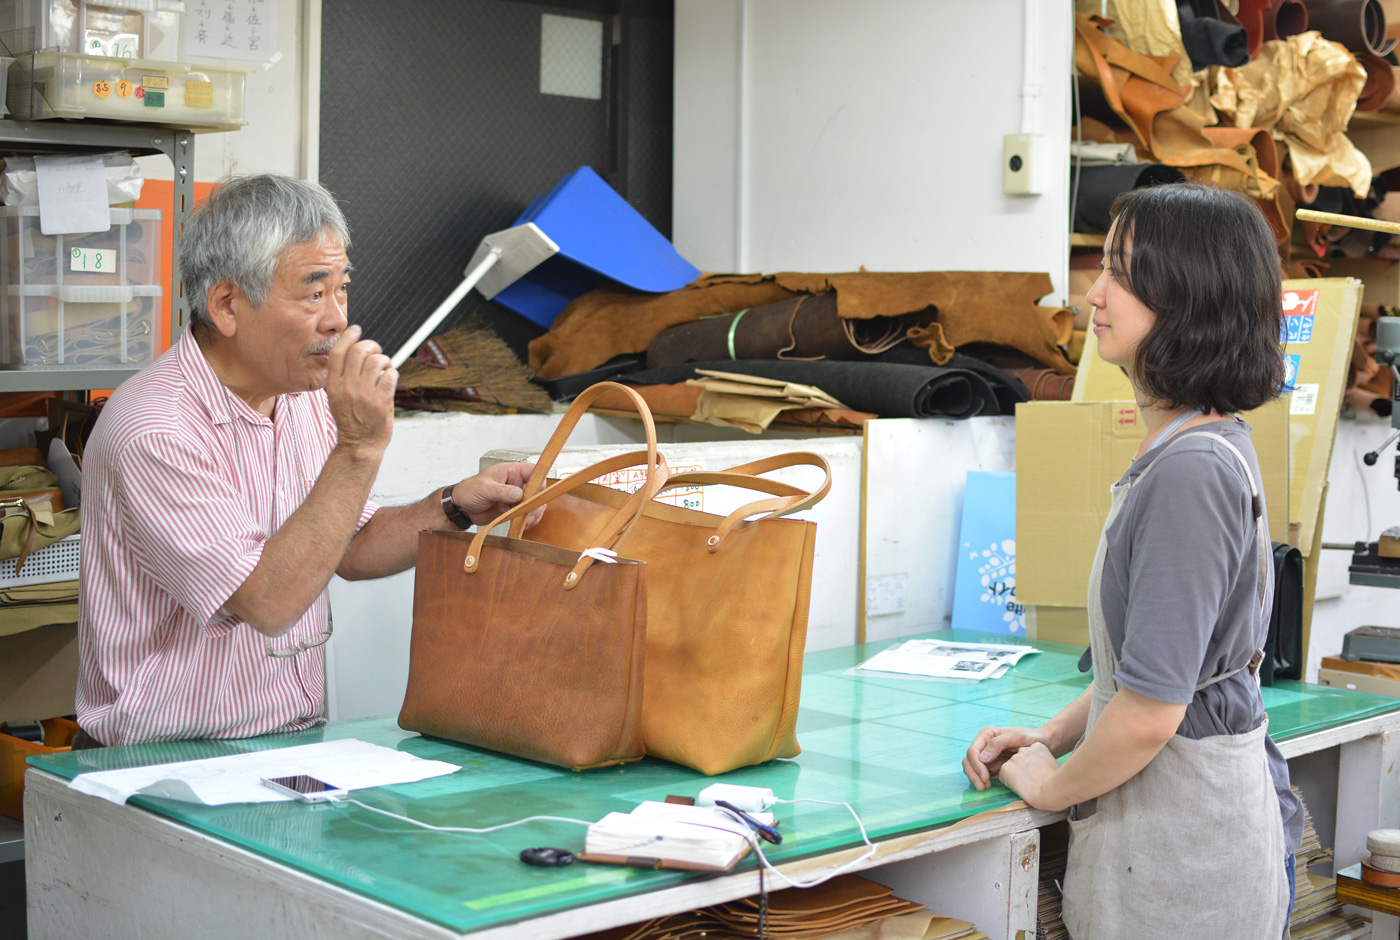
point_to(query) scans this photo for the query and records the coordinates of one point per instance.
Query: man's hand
(493, 491)
(360, 386)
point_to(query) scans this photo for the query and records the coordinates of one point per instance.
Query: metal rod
(446, 307)
(1340, 546)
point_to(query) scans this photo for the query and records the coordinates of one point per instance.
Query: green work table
(890, 747)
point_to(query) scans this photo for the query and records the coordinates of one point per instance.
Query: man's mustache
(325, 346)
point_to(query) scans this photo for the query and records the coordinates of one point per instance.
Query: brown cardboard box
(38, 673)
(1068, 454)
(1058, 624)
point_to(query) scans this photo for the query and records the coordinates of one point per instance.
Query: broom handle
(446, 307)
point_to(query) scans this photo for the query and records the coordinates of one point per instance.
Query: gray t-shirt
(1178, 591)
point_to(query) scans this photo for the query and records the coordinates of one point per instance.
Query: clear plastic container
(73, 85)
(129, 29)
(85, 301)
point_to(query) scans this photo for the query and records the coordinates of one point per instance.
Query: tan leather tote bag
(727, 602)
(531, 649)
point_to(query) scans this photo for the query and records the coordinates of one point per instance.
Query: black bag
(1283, 650)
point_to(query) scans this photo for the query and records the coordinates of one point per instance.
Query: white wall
(282, 100)
(822, 135)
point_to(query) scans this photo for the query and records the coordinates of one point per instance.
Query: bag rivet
(573, 576)
(714, 540)
(471, 561)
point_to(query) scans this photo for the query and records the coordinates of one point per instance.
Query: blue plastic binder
(603, 243)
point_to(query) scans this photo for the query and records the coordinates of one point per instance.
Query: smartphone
(305, 789)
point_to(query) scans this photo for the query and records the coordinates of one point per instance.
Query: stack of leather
(1316, 913)
(1054, 849)
(845, 908)
(935, 311)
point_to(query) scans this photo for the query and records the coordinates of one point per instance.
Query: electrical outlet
(1020, 169)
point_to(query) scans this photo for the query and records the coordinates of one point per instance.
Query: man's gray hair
(242, 229)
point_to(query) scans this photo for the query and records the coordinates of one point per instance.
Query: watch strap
(453, 513)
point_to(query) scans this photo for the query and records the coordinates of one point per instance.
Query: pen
(768, 832)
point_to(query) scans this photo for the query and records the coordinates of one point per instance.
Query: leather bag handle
(620, 524)
(793, 499)
(560, 437)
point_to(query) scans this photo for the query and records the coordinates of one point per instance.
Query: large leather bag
(727, 601)
(32, 515)
(532, 649)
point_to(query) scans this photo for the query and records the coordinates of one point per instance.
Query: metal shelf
(39, 137)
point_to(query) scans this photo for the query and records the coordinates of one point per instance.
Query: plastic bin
(74, 85)
(127, 29)
(58, 736)
(79, 301)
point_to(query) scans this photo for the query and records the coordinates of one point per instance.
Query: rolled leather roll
(1380, 82)
(1100, 185)
(892, 390)
(1285, 18)
(803, 328)
(1357, 24)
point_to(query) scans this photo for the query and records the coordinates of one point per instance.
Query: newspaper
(944, 659)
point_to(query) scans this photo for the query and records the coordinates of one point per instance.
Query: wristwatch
(452, 512)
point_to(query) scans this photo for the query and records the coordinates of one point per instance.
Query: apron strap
(1261, 540)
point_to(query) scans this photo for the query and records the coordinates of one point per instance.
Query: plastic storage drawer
(128, 29)
(79, 301)
(72, 85)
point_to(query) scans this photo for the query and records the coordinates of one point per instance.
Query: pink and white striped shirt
(183, 483)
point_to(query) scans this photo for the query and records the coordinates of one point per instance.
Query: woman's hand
(1027, 773)
(993, 747)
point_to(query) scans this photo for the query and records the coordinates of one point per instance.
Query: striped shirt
(183, 483)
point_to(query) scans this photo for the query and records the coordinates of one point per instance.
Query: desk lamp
(501, 259)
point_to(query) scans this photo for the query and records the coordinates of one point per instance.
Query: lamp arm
(446, 307)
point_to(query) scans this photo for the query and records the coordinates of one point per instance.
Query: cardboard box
(39, 673)
(1069, 625)
(1068, 455)
(1379, 678)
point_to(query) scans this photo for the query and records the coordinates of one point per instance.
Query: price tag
(98, 260)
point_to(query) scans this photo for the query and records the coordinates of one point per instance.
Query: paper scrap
(72, 194)
(348, 764)
(945, 659)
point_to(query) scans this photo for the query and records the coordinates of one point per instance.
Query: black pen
(768, 832)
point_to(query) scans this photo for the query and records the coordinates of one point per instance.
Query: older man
(227, 482)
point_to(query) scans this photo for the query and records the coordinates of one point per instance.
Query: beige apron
(1192, 846)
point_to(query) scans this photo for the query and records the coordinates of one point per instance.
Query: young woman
(1182, 822)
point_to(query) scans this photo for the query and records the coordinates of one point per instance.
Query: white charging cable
(838, 870)
(517, 822)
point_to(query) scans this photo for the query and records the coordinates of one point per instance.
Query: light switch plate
(1020, 169)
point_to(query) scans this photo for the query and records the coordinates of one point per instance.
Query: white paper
(945, 659)
(72, 194)
(348, 764)
(691, 833)
(231, 29)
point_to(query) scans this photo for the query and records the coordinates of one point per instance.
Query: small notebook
(669, 835)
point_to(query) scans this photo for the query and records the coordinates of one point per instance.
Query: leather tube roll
(1285, 18)
(1380, 82)
(1100, 185)
(1357, 24)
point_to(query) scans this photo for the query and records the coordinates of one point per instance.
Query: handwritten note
(72, 194)
(231, 29)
